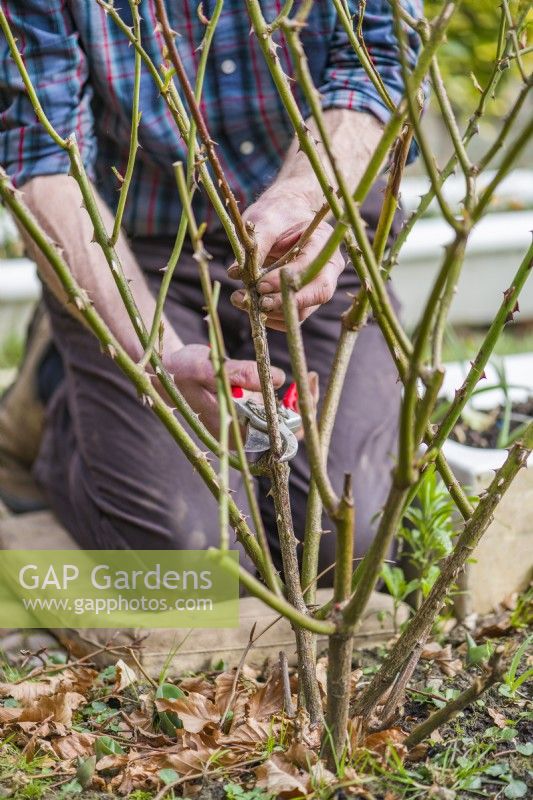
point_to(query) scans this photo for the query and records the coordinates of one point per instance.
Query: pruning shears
(253, 417)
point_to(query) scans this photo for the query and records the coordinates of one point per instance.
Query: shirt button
(246, 148)
(228, 66)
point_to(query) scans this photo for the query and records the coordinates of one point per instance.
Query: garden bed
(260, 751)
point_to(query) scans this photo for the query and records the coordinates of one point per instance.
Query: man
(109, 470)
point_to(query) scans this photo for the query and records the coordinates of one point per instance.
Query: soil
(488, 438)
(484, 752)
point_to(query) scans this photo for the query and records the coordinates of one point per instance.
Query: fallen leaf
(381, 741)
(497, 717)
(442, 656)
(187, 761)
(70, 680)
(200, 684)
(125, 676)
(112, 762)
(268, 700)
(300, 755)
(247, 735)
(194, 711)
(355, 732)
(281, 778)
(322, 676)
(223, 692)
(496, 629)
(56, 707)
(73, 745)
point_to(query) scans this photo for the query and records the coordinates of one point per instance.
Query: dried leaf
(194, 711)
(199, 684)
(125, 676)
(268, 700)
(279, 777)
(442, 656)
(70, 680)
(497, 717)
(247, 735)
(223, 690)
(496, 629)
(379, 742)
(112, 762)
(57, 707)
(300, 755)
(73, 745)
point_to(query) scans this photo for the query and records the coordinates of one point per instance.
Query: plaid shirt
(82, 68)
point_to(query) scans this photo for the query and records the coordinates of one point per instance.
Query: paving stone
(13, 642)
(40, 640)
(202, 647)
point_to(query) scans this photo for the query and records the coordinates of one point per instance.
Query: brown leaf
(279, 777)
(195, 711)
(188, 760)
(442, 656)
(125, 676)
(355, 732)
(73, 745)
(380, 742)
(497, 717)
(112, 763)
(268, 700)
(70, 680)
(300, 755)
(247, 735)
(9, 714)
(199, 684)
(223, 691)
(496, 629)
(418, 752)
(322, 676)
(57, 707)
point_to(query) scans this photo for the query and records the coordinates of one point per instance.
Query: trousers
(117, 480)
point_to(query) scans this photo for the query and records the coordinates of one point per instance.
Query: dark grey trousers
(117, 480)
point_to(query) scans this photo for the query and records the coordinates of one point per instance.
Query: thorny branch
(417, 358)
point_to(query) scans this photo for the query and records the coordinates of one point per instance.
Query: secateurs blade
(253, 416)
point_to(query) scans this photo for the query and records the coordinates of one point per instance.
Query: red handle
(290, 398)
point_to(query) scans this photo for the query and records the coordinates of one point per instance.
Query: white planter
(19, 286)
(19, 291)
(503, 560)
(495, 249)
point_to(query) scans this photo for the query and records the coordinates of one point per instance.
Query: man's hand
(194, 376)
(280, 218)
(285, 210)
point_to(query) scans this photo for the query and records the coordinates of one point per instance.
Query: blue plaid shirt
(82, 68)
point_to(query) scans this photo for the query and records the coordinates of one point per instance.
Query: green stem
(134, 136)
(138, 377)
(197, 116)
(270, 575)
(359, 47)
(295, 344)
(277, 603)
(191, 156)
